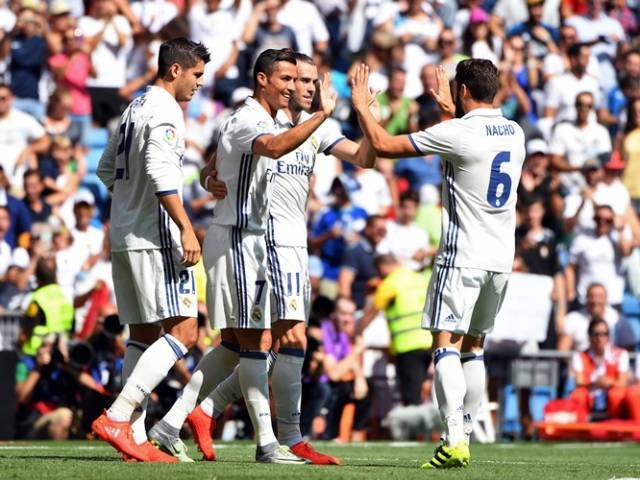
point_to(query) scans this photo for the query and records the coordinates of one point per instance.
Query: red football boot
(117, 434)
(305, 450)
(203, 426)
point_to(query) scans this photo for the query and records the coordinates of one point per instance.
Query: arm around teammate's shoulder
(275, 146)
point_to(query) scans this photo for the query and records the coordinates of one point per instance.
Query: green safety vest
(58, 314)
(404, 313)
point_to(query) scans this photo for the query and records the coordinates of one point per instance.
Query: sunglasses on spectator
(447, 41)
(608, 220)
(599, 334)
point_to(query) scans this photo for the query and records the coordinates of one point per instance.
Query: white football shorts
(464, 300)
(153, 285)
(289, 276)
(238, 290)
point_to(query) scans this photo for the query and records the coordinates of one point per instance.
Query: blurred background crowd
(570, 75)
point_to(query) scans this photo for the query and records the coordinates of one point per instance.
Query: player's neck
(168, 86)
(259, 97)
(293, 114)
(472, 105)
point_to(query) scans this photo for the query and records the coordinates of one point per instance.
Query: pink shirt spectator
(75, 79)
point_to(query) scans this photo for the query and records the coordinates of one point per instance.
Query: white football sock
(287, 390)
(217, 365)
(211, 370)
(474, 377)
(253, 375)
(151, 369)
(450, 390)
(229, 391)
(133, 353)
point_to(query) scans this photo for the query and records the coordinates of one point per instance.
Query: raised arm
(275, 146)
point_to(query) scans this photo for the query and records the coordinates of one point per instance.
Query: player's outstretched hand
(442, 94)
(328, 96)
(190, 247)
(360, 93)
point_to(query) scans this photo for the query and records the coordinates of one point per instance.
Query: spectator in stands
(21, 137)
(44, 395)
(539, 36)
(28, 50)
(537, 253)
(405, 240)
(537, 182)
(61, 177)
(597, 257)
(629, 146)
(307, 23)
(7, 23)
(72, 68)
(20, 228)
(14, 286)
(399, 114)
(342, 363)
(358, 275)
(372, 188)
(263, 30)
(69, 261)
(562, 90)
(478, 41)
(58, 122)
(602, 376)
(34, 199)
(87, 239)
(448, 52)
(336, 227)
(558, 63)
(60, 22)
(400, 295)
(426, 103)
(575, 142)
(6, 251)
(574, 328)
(110, 40)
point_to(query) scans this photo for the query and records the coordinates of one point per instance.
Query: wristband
(206, 182)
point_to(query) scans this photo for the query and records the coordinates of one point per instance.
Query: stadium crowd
(570, 76)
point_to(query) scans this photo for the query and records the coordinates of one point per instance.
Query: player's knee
(146, 334)
(294, 337)
(186, 331)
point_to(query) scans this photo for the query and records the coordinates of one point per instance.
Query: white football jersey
(142, 161)
(482, 155)
(245, 174)
(290, 188)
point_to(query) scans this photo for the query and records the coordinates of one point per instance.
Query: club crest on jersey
(293, 304)
(256, 314)
(170, 135)
(186, 301)
(262, 126)
(314, 142)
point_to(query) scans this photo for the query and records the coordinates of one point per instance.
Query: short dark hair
(32, 172)
(267, 59)
(46, 271)
(304, 58)
(480, 77)
(574, 50)
(371, 219)
(182, 51)
(595, 322)
(410, 196)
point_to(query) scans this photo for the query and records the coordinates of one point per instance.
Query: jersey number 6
(497, 196)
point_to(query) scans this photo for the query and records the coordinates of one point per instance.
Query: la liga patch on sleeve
(170, 135)
(262, 126)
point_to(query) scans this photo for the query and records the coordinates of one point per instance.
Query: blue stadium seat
(97, 137)
(630, 305)
(539, 398)
(93, 158)
(510, 411)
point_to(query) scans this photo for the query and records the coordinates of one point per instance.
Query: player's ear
(261, 77)
(175, 70)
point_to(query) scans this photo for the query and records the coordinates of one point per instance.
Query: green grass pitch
(372, 460)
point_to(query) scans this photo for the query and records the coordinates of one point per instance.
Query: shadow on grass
(61, 457)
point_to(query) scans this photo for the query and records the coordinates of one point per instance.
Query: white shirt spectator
(17, 130)
(615, 195)
(89, 242)
(216, 30)
(554, 65)
(403, 242)
(7, 22)
(108, 58)
(589, 30)
(373, 195)
(515, 11)
(154, 14)
(5, 257)
(598, 260)
(578, 145)
(306, 22)
(69, 264)
(561, 92)
(576, 325)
